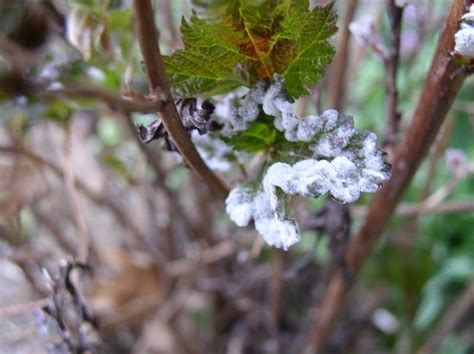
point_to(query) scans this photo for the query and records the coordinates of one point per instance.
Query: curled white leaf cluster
(344, 162)
(464, 38)
(244, 204)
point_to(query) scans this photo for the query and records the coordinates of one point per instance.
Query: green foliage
(91, 4)
(310, 31)
(253, 41)
(260, 136)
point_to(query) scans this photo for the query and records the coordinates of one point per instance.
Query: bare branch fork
(440, 88)
(148, 39)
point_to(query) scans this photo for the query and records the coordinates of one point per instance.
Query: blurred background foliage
(133, 206)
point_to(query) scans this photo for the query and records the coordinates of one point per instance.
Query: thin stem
(122, 217)
(395, 14)
(21, 309)
(116, 103)
(16, 84)
(421, 208)
(148, 39)
(440, 88)
(75, 201)
(338, 85)
(448, 322)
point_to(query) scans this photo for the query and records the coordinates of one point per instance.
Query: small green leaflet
(250, 42)
(260, 136)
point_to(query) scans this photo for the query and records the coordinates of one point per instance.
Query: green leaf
(117, 166)
(259, 136)
(250, 41)
(211, 53)
(59, 111)
(91, 4)
(305, 61)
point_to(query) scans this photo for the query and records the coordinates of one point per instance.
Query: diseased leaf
(321, 154)
(261, 135)
(250, 41)
(217, 154)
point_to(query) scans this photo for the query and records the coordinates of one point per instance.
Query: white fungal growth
(343, 162)
(216, 153)
(312, 178)
(464, 38)
(240, 205)
(244, 204)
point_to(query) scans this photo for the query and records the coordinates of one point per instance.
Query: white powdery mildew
(240, 205)
(248, 110)
(243, 204)
(213, 151)
(345, 163)
(312, 178)
(464, 38)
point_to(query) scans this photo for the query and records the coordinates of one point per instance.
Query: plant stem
(442, 83)
(338, 84)
(148, 39)
(395, 14)
(455, 313)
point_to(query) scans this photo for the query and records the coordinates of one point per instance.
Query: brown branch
(148, 39)
(395, 14)
(455, 313)
(338, 83)
(115, 103)
(122, 217)
(152, 158)
(14, 83)
(442, 83)
(421, 208)
(437, 152)
(167, 18)
(75, 201)
(206, 257)
(21, 309)
(45, 221)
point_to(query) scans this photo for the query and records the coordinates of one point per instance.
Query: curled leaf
(324, 155)
(244, 204)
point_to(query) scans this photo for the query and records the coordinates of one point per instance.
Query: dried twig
(54, 229)
(208, 256)
(443, 82)
(437, 152)
(448, 322)
(389, 56)
(413, 209)
(75, 201)
(14, 83)
(148, 38)
(121, 216)
(338, 82)
(21, 309)
(78, 328)
(395, 14)
(167, 17)
(116, 103)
